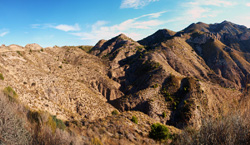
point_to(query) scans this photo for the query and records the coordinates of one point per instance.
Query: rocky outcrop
(33, 46)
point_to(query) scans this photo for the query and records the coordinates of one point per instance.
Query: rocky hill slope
(175, 78)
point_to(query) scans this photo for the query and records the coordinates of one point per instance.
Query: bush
(134, 119)
(159, 132)
(96, 141)
(164, 114)
(115, 112)
(229, 130)
(155, 86)
(59, 123)
(58, 137)
(34, 117)
(54, 123)
(1, 76)
(10, 93)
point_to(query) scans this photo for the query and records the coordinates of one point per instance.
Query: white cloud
(62, 27)
(3, 32)
(219, 3)
(67, 28)
(197, 12)
(130, 27)
(248, 4)
(153, 15)
(135, 3)
(197, 9)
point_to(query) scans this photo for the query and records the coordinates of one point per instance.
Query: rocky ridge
(175, 78)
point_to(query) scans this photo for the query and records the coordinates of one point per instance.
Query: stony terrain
(175, 78)
(65, 81)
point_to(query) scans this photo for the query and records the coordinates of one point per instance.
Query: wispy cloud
(196, 9)
(3, 32)
(135, 3)
(219, 3)
(100, 30)
(67, 28)
(153, 15)
(62, 27)
(248, 4)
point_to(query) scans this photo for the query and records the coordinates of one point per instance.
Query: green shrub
(1, 76)
(115, 112)
(155, 86)
(51, 123)
(54, 123)
(96, 141)
(164, 115)
(10, 93)
(159, 132)
(18, 52)
(59, 123)
(60, 66)
(134, 119)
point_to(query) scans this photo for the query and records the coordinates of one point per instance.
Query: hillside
(173, 78)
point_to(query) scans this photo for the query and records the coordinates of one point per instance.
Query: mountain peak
(225, 22)
(123, 37)
(158, 36)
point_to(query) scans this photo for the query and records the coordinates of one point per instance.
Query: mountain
(113, 92)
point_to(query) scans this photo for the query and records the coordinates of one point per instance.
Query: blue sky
(84, 22)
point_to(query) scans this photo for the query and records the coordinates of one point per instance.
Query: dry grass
(12, 126)
(230, 129)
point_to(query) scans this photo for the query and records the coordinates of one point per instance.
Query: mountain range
(172, 78)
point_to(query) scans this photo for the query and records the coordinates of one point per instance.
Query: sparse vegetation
(148, 66)
(230, 129)
(34, 116)
(164, 115)
(155, 86)
(96, 141)
(1, 76)
(140, 48)
(134, 119)
(18, 52)
(159, 132)
(10, 93)
(115, 112)
(59, 123)
(12, 125)
(86, 48)
(54, 123)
